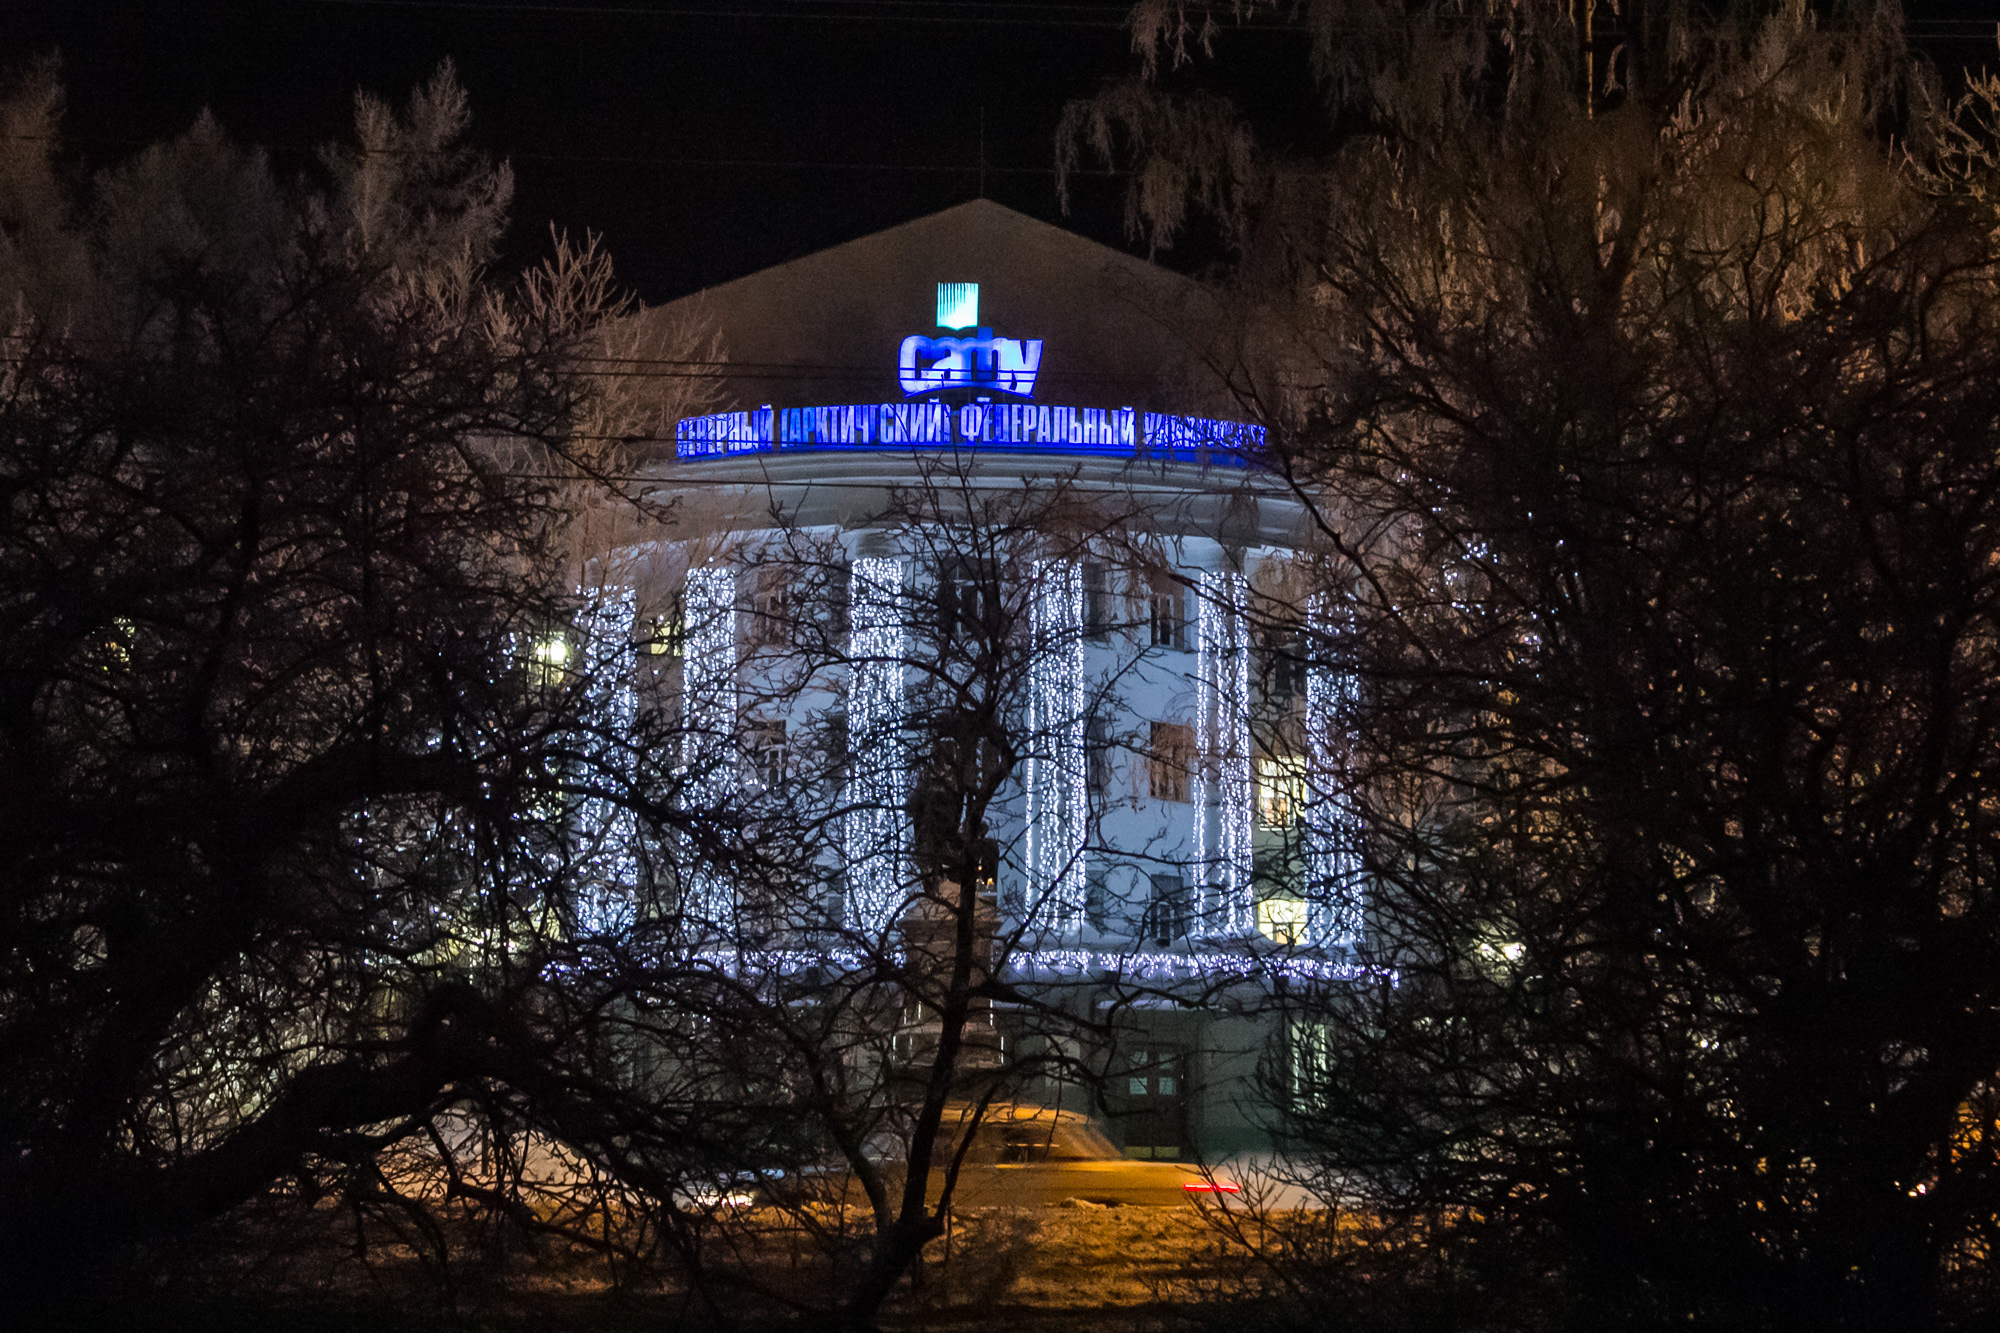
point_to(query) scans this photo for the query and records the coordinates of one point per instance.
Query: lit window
(549, 658)
(1282, 920)
(989, 867)
(665, 635)
(1169, 761)
(1281, 791)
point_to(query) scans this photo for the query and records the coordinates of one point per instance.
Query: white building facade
(1171, 815)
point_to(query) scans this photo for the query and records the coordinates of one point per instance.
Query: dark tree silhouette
(1653, 425)
(282, 544)
(809, 991)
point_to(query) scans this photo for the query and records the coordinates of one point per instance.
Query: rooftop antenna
(982, 150)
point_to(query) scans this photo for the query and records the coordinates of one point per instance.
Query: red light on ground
(1211, 1187)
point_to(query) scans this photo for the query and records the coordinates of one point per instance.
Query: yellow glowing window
(1281, 791)
(550, 656)
(1282, 920)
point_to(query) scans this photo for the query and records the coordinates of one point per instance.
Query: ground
(1021, 1270)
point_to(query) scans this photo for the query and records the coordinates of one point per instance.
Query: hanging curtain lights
(603, 838)
(708, 733)
(1057, 800)
(1222, 775)
(876, 826)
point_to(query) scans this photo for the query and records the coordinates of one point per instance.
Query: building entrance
(1152, 1100)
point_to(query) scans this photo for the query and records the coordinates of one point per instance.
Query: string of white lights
(1222, 775)
(1332, 827)
(1208, 968)
(1057, 812)
(604, 837)
(708, 733)
(1143, 966)
(876, 827)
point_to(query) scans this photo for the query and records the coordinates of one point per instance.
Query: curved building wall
(1152, 831)
(1174, 816)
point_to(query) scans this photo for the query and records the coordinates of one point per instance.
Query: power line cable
(1002, 13)
(927, 12)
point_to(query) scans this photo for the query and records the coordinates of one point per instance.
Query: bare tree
(822, 976)
(279, 616)
(1652, 425)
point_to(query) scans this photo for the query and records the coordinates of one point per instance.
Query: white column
(1332, 826)
(1222, 734)
(708, 739)
(1058, 816)
(875, 828)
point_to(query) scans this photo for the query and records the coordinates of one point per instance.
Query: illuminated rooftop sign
(1003, 365)
(958, 305)
(981, 361)
(1019, 427)
(1007, 365)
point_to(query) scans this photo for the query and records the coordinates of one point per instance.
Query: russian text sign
(1032, 427)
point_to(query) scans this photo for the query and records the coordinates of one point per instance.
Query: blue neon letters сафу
(1005, 365)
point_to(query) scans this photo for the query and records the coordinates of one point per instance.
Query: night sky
(703, 139)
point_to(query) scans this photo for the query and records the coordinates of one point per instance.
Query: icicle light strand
(1222, 775)
(708, 735)
(1057, 809)
(876, 827)
(1152, 969)
(604, 836)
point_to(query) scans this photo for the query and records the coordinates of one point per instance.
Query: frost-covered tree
(1648, 387)
(286, 556)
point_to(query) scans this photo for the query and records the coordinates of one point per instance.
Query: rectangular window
(1097, 603)
(1281, 790)
(770, 606)
(1170, 761)
(1097, 757)
(835, 585)
(1312, 1064)
(967, 604)
(1282, 920)
(835, 759)
(989, 868)
(766, 739)
(1167, 613)
(549, 659)
(1283, 665)
(1169, 909)
(664, 633)
(1097, 892)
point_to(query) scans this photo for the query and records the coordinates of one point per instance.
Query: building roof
(825, 329)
